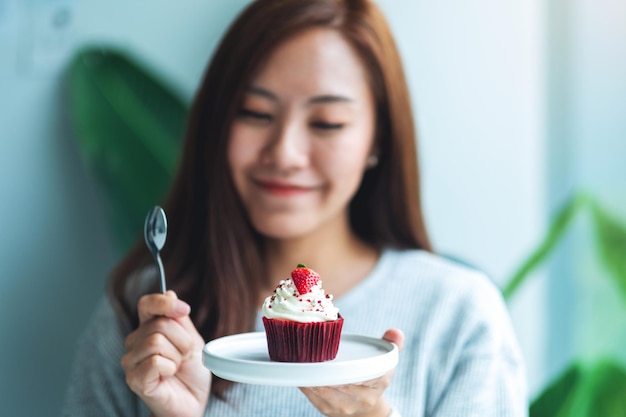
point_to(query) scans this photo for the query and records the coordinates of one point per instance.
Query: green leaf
(557, 229)
(556, 399)
(595, 391)
(129, 128)
(611, 245)
(606, 395)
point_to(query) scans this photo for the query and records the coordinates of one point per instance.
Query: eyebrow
(258, 91)
(330, 98)
(325, 98)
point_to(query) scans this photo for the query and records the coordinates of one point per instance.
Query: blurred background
(519, 106)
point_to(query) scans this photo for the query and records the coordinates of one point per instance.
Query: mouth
(283, 189)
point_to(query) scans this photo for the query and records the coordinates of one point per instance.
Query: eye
(256, 115)
(327, 126)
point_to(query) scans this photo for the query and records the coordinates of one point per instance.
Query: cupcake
(301, 322)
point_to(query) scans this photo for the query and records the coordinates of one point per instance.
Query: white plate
(244, 358)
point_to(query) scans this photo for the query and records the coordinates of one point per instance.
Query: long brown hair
(213, 256)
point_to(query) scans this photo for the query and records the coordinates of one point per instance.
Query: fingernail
(181, 307)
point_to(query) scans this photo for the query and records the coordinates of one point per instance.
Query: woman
(300, 148)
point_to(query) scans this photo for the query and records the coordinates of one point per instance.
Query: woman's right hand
(163, 360)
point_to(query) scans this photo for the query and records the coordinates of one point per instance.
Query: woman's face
(298, 147)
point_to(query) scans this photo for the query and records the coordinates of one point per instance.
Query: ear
(371, 161)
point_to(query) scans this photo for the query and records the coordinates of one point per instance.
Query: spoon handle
(161, 273)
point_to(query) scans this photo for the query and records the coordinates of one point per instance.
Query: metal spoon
(155, 231)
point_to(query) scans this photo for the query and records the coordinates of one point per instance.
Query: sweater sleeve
(485, 373)
(97, 384)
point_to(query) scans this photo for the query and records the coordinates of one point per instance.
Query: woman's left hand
(364, 399)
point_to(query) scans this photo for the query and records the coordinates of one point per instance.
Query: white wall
(476, 74)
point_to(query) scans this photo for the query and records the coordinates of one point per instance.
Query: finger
(185, 319)
(344, 399)
(171, 329)
(146, 376)
(197, 342)
(377, 384)
(168, 304)
(395, 336)
(319, 401)
(154, 345)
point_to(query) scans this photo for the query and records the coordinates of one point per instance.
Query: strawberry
(304, 278)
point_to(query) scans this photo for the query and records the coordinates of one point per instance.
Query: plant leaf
(555, 232)
(606, 394)
(611, 244)
(557, 398)
(599, 390)
(129, 127)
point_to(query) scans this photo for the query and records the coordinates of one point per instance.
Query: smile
(283, 190)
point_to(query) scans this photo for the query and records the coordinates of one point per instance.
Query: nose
(288, 148)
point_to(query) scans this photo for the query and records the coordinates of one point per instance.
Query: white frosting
(287, 304)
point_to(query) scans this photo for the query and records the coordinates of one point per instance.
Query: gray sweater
(460, 356)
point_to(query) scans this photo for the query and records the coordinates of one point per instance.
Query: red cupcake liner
(292, 341)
